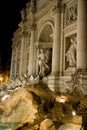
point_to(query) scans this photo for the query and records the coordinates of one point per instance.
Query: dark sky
(9, 19)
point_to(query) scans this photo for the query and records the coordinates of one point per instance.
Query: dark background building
(9, 19)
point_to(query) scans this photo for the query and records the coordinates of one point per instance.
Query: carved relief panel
(71, 13)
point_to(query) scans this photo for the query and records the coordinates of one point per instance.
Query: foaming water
(7, 126)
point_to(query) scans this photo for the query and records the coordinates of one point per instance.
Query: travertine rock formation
(35, 107)
(24, 104)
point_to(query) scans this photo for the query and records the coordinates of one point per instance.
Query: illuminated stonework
(56, 27)
(49, 49)
(50, 45)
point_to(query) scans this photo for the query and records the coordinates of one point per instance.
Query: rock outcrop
(35, 107)
(24, 104)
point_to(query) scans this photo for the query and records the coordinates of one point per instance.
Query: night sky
(10, 17)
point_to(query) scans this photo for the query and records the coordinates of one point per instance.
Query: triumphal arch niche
(51, 42)
(45, 42)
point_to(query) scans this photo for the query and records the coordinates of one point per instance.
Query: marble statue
(23, 14)
(71, 53)
(71, 14)
(42, 62)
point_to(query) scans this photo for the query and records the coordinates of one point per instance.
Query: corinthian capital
(33, 26)
(57, 8)
(33, 6)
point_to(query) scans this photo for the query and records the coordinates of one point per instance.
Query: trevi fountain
(47, 87)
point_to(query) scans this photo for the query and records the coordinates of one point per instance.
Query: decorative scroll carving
(74, 86)
(57, 8)
(25, 33)
(71, 14)
(33, 26)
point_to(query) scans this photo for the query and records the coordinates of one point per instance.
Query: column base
(58, 83)
(76, 84)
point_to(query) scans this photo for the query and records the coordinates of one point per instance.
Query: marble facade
(59, 29)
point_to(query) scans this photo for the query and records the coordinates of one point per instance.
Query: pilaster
(54, 77)
(82, 43)
(82, 35)
(56, 40)
(31, 52)
(21, 56)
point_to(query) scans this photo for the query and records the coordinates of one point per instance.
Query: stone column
(37, 50)
(13, 61)
(56, 43)
(53, 79)
(82, 45)
(82, 35)
(24, 57)
(62, 40)
(32, 38)
(11, 68)
(21, 56)
(16, 60)
(25, 52)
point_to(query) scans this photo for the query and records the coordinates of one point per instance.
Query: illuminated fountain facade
(50, 44)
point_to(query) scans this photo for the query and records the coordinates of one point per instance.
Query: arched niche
(46, 33)
(45, 43)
